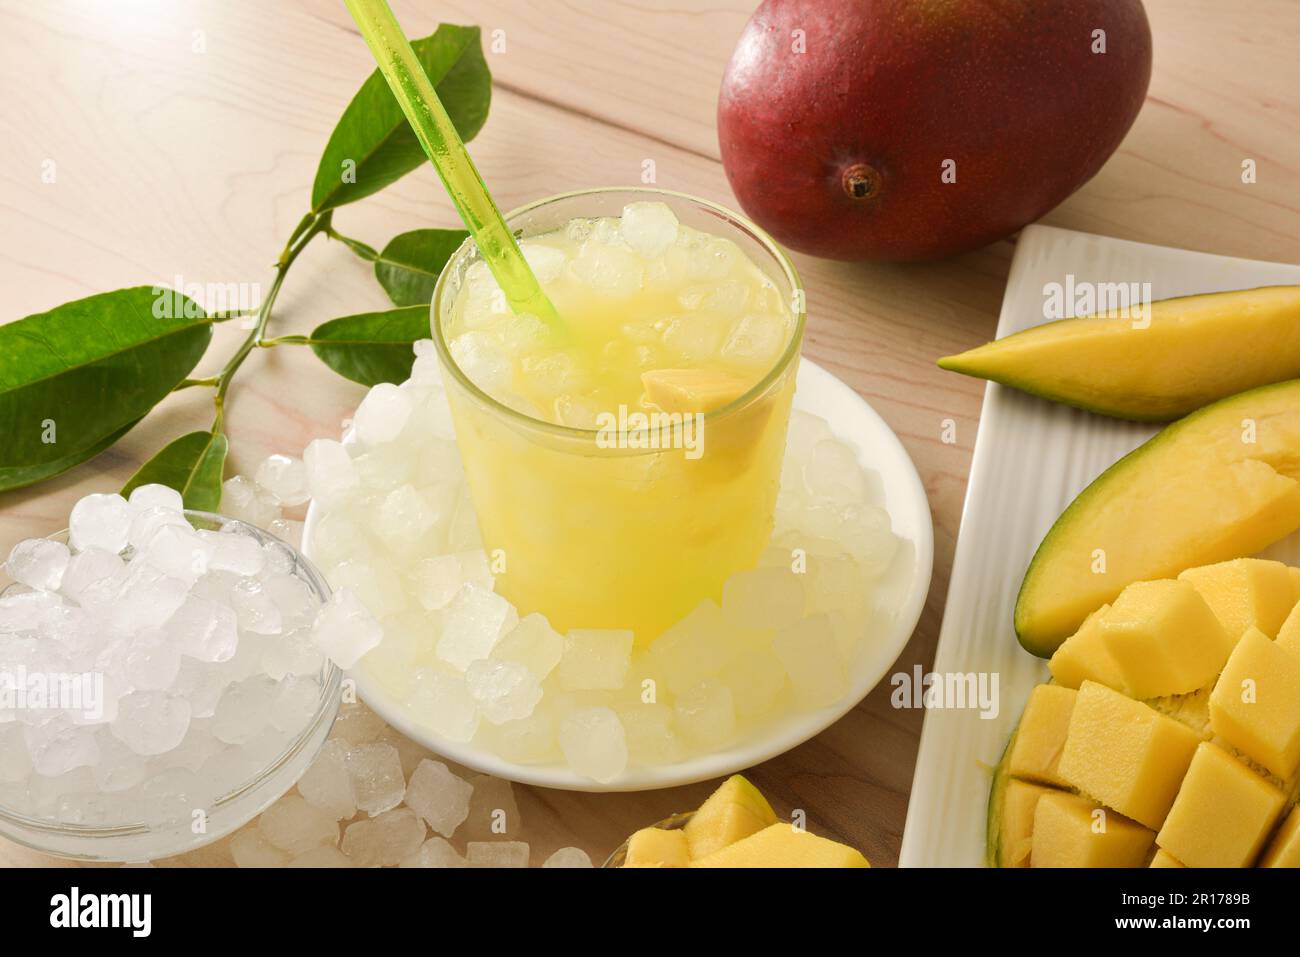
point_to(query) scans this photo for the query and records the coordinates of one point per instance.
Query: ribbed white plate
(1032, 457)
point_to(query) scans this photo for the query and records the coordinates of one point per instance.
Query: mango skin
(1194, 494)
(1196, 350)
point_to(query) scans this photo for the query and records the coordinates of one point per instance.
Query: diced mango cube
(692, 390)
(1295, 581)
(783, 845)
(1125, 754)
(1070, 831)
(1288, 636)
(1255, 706)
(1223, 813)
(1040, 738)
(1019, 801)
(1163, 858)
(657, 847)
(734, 811)
(1284, 849)
(1084, 657)
(1164, 638)
(1245, 593)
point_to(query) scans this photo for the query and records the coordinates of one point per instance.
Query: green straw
(437, 134)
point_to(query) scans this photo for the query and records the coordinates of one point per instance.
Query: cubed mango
(1070, 831)
(783, 845)
(734, 811)
(1288, 636)
(1223, 813)
(1040, 738)
(657, 847)
(1084, 657)
(1164, 638)
(1125, 754)
(1255, 705)
(1163, 858)
(1284, 849)
(1015, 837)
(1245, 593)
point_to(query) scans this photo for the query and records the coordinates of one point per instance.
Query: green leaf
(20, 476)
(75, 376)
(192, 465)
(373, 139)
(410, 264)
(372, 347)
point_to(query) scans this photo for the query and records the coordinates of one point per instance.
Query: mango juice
(624, 464)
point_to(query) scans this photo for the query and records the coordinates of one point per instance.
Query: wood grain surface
(185, 134)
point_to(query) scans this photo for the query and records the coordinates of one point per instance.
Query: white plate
(1032, 457)
(852, 420)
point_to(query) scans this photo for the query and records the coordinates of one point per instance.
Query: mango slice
(1255, 705)
(1219, 484)
(1071, 831)
(783, 845)
(734, 811)
(1040, 738)
(657, 847)
(1084, 657)
(1223, 813)
(692, 390)
(1125, 754)
(1164, 639)
(1245, 593)
(1194, 351)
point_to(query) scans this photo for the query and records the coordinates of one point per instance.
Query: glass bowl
(138, 841)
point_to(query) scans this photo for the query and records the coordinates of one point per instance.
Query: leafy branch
(76, 379)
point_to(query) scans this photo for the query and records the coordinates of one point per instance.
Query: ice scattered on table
(177, 662)
(445, 816)
(782, 637)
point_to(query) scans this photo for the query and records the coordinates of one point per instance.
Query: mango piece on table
(1040, 737)
(1019, 802)
(1255, 705)
(1125, 754)
(1163, 858)
(657, 847)
(783, 845)
(1284, 849)
(1164, 638)
(1223, 813)
(1070, 831)
(1084, 657)
(734, 811)
(1245, 593)
(692, 390)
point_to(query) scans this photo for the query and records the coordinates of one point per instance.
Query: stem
(192, 383)
(363, 250)
(303, 234)
(285, 341)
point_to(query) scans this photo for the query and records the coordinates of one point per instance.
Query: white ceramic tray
(852, 420)
(1031, 458)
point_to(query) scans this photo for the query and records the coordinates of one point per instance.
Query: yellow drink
(605, 499)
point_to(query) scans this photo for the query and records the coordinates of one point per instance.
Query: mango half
(1220, 484)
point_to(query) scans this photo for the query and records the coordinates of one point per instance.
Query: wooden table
(185, 135)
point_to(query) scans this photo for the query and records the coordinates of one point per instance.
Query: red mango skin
(839, 151)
